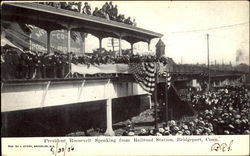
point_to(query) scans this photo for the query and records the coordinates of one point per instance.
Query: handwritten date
(60, 149)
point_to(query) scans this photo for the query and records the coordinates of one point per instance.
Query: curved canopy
(50, 18)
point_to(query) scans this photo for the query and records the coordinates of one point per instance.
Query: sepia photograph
(102, 72)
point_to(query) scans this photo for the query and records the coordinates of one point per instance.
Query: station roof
(50, 18)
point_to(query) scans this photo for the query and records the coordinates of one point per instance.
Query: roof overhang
(50, 18)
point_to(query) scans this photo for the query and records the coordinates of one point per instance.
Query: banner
(94, 69)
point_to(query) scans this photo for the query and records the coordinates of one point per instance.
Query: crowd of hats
(37, 65)
(196, 127)
(107, 11)
(223, 112)
(99, 59)
(227, 109)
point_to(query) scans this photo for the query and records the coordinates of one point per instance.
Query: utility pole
(208, 62)
(83, 45)
(166, 96)
(155, 97)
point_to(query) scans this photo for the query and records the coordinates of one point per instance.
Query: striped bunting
(144, 74)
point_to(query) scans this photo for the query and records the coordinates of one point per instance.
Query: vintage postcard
(125, 78)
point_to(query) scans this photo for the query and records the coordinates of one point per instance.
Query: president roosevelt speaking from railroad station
(100, 69)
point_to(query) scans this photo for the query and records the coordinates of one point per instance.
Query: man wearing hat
(143, 132)
(8, 64)
(24, 65)
(31, 65)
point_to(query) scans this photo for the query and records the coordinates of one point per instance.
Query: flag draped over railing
(144, 74)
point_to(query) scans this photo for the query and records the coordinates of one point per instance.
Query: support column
(166, 98)
(68, 43)
(149, 45)
(83, 45)
(113, 44)
(48, 41)
(150, 102)
(208, 63)
(132, 48)
(156, 100)
(120, 46)
(68, 50)
(100, 42)
(109, 130)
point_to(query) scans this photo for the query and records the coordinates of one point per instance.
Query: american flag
(144, 74)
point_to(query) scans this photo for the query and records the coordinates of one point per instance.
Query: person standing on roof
(134, 23)
(86, 9)
(79, 6)
(109, 8)
(113, 13)
(111, 5)
(105, 7)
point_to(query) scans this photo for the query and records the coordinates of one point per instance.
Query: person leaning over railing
(23, 66)
(105, 7)
(50, 66)
(42, 65)
(16, 65)
(109, 8)
(30, 65)
(37, 73)
(113, 12)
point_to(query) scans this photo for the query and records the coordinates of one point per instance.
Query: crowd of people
(227, 109)
(107, 11)
(33, 65)
(98, 59)
(38, 65)
(222, 112)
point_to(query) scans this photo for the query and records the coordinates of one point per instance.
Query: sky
(175, 20)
